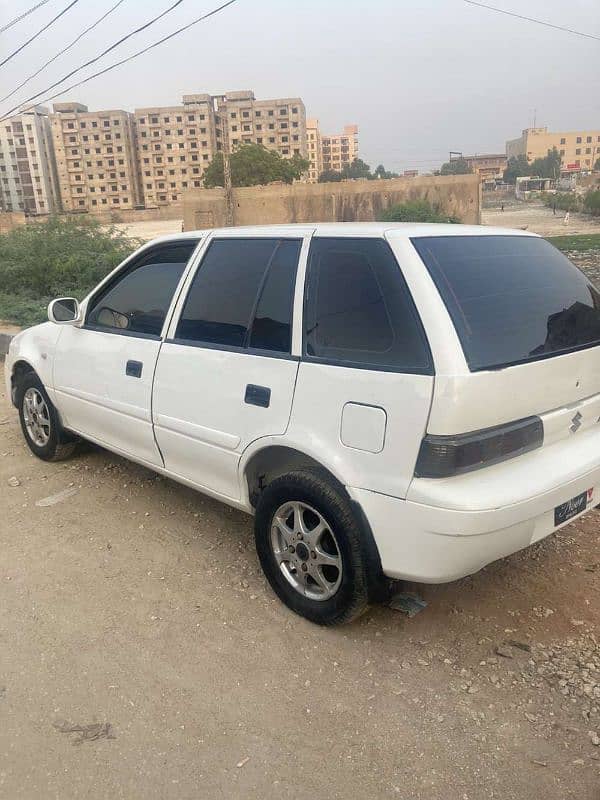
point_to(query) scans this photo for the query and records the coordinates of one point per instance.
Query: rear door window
(358, 310)
(512, 299)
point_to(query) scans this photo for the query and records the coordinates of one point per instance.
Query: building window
(578, 140)
(578, 151)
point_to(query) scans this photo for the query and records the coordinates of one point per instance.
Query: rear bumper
(430, 544)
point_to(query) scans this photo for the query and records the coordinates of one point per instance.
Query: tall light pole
(229, 220)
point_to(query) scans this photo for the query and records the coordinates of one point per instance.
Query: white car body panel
(364, 426)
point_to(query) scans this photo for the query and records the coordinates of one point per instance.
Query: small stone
(594, 738)
(531, 717)
(578, 762)
(503, 651)
(242, 762)
(14, 481)
(244, 584)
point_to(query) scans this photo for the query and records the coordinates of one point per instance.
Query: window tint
(358, 308)
(242, 294)
(511, 298)
(138, 300)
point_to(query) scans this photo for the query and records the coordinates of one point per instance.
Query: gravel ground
(142, 655)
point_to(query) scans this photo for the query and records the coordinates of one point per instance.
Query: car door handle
(134, 369)
(257, 395)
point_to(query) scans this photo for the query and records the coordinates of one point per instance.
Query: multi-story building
(278, 124)
(95, 158)
(579, 150)
(340, 149)
(330, 152)
(28, 180)
(314, 153)
(175, 144)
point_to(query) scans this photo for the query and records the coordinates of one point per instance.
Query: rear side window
(512, 299)
(138, 299)
(242, 295)
(358, 310)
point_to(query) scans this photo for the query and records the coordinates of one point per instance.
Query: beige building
(95, 158)
(330, 152)
(28, 180)
(579, 150)
(489, 166)
(314, 153)
(340, 149)
(278, 124)
(175, 144)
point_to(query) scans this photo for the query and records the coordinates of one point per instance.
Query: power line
(131, 57)
(22, 16)
(531, 19)
(35, 35)
(100, 55)
(64, 50)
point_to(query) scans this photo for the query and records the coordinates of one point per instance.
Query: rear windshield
(511, 298)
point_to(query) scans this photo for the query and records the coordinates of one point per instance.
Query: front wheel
(40, 423)
(309, 545)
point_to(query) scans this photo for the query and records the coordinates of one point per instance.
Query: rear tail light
(443, 456)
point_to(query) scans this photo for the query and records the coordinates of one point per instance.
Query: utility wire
(129, 58)
(22, 16)
(531, 19)
(35, 35)
(64, 50)
(103, 53)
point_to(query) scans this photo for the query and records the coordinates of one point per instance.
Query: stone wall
(10, 220)
(347, 201)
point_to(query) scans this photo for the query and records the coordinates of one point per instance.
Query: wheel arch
(274, 460)
(20, 368)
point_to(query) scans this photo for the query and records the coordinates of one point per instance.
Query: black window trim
(253, 351)
(334, 362)
(128, 267)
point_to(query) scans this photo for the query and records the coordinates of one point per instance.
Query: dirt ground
(142, 655)
(538, 218)
(150, 229)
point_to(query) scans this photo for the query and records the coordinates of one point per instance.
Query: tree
(357, 169)
(381, 172)
(330, 176)
(416, 211)
(254, 165)
(517, 167)
(547, 167)
(458, 166)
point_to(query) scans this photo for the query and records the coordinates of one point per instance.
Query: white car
(391, 401)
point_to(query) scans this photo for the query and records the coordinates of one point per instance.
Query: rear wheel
(310, 548)
(40, 423)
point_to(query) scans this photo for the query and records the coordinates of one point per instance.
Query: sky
(418, 78)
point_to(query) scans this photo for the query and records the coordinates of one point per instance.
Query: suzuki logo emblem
(576, 423)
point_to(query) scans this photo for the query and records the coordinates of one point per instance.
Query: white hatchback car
(389, 401)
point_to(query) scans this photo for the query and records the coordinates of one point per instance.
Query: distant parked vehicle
(391, 401)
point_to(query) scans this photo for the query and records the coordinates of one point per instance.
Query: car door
(225, 375)
(103, 370)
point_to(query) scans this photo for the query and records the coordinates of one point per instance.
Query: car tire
(40, 422)
(311, 547)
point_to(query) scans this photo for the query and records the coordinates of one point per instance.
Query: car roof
(374, 229)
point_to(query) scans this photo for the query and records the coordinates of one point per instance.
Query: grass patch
(576, 242)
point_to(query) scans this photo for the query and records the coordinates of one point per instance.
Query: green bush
(416, 211)
(592, 202)
(565, 201)
(65, 256)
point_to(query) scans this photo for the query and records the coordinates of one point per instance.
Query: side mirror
(63, 311)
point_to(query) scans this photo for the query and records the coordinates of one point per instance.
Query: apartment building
(95, 158)
(314, 154)
(340, 149)
(278, 124)
(579, 150)
(28, 180)
(175, 144)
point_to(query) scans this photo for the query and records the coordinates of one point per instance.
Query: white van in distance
(389, 400)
